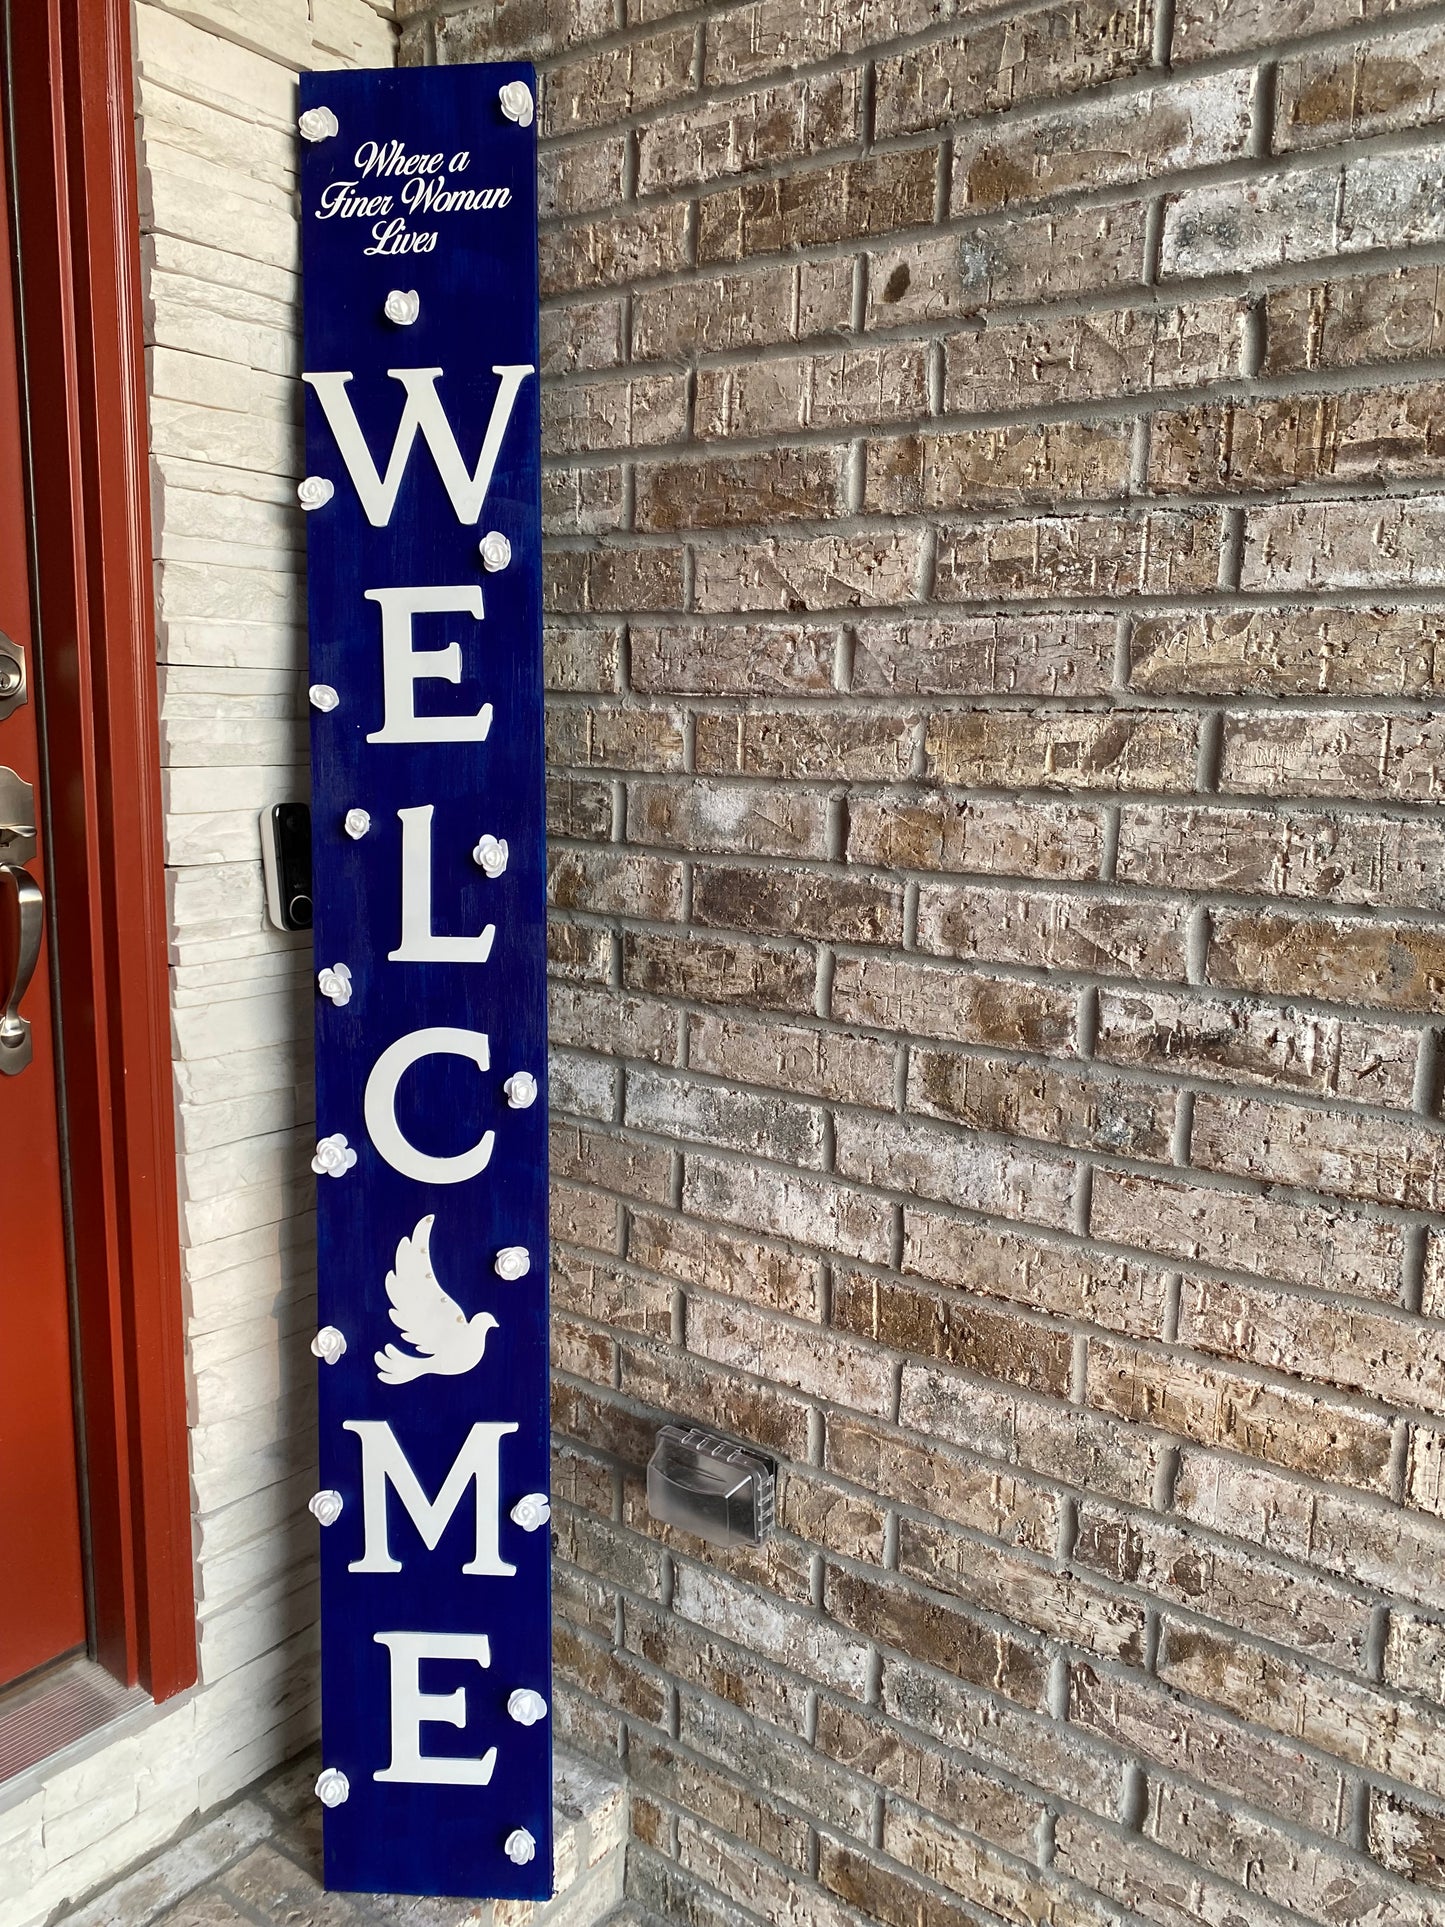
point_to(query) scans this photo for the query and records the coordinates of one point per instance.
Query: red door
(42, 1596)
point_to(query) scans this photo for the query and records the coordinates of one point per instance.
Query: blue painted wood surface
(478, 309)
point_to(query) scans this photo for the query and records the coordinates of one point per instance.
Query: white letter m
(383, 1462)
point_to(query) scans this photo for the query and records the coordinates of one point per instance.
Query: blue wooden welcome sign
(418, 192)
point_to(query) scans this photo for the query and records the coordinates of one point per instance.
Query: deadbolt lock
(14, 684)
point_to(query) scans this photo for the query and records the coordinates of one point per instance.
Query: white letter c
(380, 1105)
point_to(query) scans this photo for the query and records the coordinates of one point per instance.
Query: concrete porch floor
(257, 1863)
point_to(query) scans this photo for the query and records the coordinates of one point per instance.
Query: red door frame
(78, 231)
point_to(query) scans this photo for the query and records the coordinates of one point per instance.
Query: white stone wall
(216, 85)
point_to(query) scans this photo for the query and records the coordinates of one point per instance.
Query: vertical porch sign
(419, 263)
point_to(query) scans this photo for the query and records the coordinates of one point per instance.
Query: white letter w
(423, 411)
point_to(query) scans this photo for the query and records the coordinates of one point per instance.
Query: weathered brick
(977, 468)
(725, 659)
(1390, 966)
(514, 29)
(578, 807)
(980, 834)
(1408, 1838)
(683, 1109)
(1374, 87)
(1396, 315)
(604, 87)
(829, 1368)
(1117, 1293)
(1204, 27)
(1370, 1542)
(691, 1654)
(816, 1211)
(617, 250)
(816, 743)
(611, 1676)
(977, 1873)
(1122, 749)
(576, 580)
(831, 1517)
(1057, 1107)
(998, 1735)
(799, 903)
(578, 658)
(602, 1291)
(1114, 935)
(1037, 364)
(1259, 1595)
(1389, 1356)
(921, 1474)
(783, 303)
(702, 1255)
(825, 391)
(931, 1324)
(774, 35)
(923, 999)
(1049, 51)
(578, 953)
(1149, 1882)
(1142, 1718)
(782, 485)
(737, 1807)
(817, 572)
(727, 817)
(1414, 1657)
(614, 735)
(1163, 552)
(1355, 439)
(622, 884)
(583, 501)
(1379, 861)
(1131, 137)
(1344, 545)
(1029, 258)
(936, 1634)
(717, 138)
(613, 1162)
(1079, 1448)
(1312, 1245)
(1290, 652)
(891, 189)
(670, 1381)
(636, 412)
(1019, 655)
(581, 177)
(583, 335)
(716, 972)
(812, 1062)
(583, 1085)
(898, 1760)
(1370, 200)
(1281, 1424)
(1256, 1044)
(955, 1167)
(1343, 1153)
(605, 1020)
(1336, 753)
(1344, 1718)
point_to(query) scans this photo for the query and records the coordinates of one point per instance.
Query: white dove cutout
(434, 1324)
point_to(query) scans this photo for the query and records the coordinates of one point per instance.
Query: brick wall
(995, 463)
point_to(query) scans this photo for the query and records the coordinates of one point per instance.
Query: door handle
(15, 1042)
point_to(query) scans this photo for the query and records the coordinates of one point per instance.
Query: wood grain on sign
(424, 561)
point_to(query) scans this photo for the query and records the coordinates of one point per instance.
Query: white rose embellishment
(532, 1510)
(333, 1156)
(519, 1846)
(323, 697)
(356, 823)
(324, 1507)
(511, 1262)
(315, 492)
(527, 1707)
(318, 124)
(333, 1788)
(516, 103)
(520, 1090)
(328, 1344)
(335, 982)
(496, 551)
(402, 308)
(491, 855)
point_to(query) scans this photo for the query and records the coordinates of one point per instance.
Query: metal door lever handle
(15, 1042)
